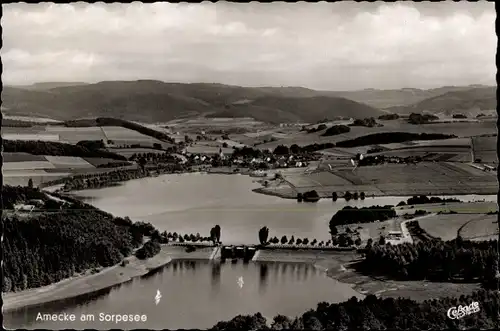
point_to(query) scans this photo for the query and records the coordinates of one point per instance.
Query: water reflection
(197, 294)
(216, 275)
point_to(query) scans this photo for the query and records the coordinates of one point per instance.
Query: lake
(199, 294)
(196, 295)
(191, 203)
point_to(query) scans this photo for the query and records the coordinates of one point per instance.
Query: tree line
(53, 148)
(355, 215)
(423, 199)
(110, 178)
(458, 259)
(373, 313)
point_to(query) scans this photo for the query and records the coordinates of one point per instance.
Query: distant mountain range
(472, 101)
(155, 101)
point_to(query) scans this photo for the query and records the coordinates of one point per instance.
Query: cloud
(325, 45)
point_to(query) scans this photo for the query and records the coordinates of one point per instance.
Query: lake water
(191, 203)
(197, 295)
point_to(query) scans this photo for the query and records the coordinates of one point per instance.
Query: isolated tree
(347, 196)
(305, 241)
(362, 195)
(299, 241)
(217, 233)
(355, 196)
(213, 236)
(284, 240)
(30, 183)
(263, 235)
(292, 240)
(334, 196)
(314, 242)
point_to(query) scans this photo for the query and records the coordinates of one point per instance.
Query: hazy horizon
(250, 86)
(343, 46)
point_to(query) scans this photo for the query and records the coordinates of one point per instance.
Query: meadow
(484, 228)
(446, 226)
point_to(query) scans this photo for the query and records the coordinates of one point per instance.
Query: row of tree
(423, 199)
(53, 148)
(374, 313)
(342, 239)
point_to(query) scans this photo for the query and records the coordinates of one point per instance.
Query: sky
(326, 46)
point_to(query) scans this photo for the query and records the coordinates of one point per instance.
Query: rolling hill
(151, 101)
(154, 101)
(384, 99)
(470, 101)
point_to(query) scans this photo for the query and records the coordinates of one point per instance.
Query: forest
(53, 148)
(111, 178)
(335, 130)
(46, 246)
(374, 313)
(436, 260)
(354, 215)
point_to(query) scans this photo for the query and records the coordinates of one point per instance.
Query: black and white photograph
(250, 166)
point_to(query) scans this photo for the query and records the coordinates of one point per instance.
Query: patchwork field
(459, 129)
(429, 178)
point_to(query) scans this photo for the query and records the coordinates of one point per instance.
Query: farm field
(128, 152)
(68, 162)
(27, 165)
(21, 177)
(31, 136)
(446, 226)
(429, 178)
(431, 153)
(203, 149)
(74, 135)
(485, 148)
(459, 207)
(459, 129)
(484, 228)
(96, 161)
(22, 157)
(30, 119)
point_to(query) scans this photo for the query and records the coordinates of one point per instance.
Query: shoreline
(395, 193)
(106, 279)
